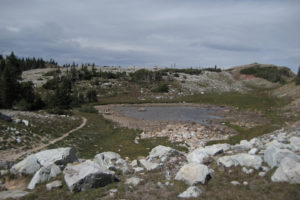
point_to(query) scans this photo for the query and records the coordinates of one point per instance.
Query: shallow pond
(171, 113)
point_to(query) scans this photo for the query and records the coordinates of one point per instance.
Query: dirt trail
(11, 156)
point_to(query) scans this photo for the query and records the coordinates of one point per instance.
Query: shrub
(88, 109)
(91, 95)
(162, 88)
(272, 74)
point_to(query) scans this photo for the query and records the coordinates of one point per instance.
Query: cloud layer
(153, 32)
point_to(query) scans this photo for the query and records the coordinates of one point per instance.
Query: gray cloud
(146, 33)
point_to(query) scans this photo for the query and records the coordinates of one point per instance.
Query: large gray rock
(274, 155)
(34, 162)
(193, 173)
(87, 175)
(149, 166)
(43, 175)
(288, 171)
(295, 143)
(191, 192)
(13, 194)
(242, 159)
(161, 153)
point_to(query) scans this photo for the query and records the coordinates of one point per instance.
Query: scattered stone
(138, 169)
(261, 174)
(133, 181)
(13, 194)
(43, 175)
(288, 171)
(191, 192)
(162, 153)
(274, 155)
(235, 183)
(216, 149)
(111, 161)
(193, 173)
(87, 175)
(242, 159)
(25, 122)
(253, 151)
(265, 169)
(107, 159)
(34, 162)
(134, 163)
(247, 171)
(54, 184)
(149, 166)
(159, 185)
(198, 156)
(245, 183)
(244, 145)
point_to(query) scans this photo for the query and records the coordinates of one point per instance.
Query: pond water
(171, 113)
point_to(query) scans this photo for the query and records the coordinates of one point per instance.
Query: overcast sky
(153, 32)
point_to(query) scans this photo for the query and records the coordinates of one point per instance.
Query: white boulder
(242, 159)
(193, 173)
(288, 171)
(191, 192)
(274, 155)
(34, 162)
(87, 175)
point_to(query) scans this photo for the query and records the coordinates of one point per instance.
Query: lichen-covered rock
(193, 173)
(87, 175)
(288, 171)
(242, 159)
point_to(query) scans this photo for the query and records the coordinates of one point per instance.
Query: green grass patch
(101, 135)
